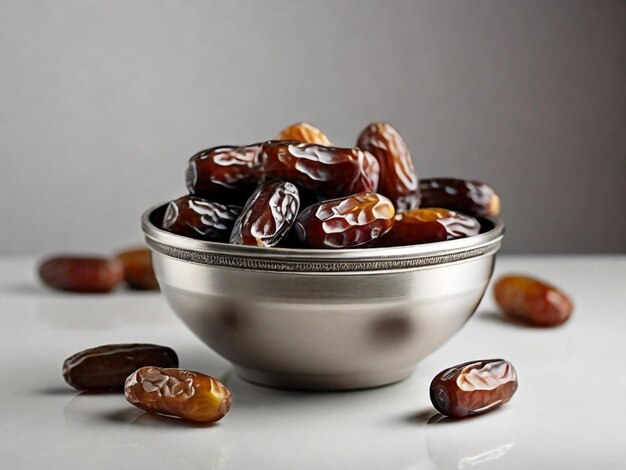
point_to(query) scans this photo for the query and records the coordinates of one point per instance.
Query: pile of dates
(300, 191)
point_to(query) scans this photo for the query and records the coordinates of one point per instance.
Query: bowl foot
(323, 382)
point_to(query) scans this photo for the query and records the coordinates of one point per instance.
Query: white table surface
(569, 411)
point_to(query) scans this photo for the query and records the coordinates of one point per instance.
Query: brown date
(398, 180)
(194, 217)
(105, 368)
(414, 227)
(176, 392)
(268, 215)
(532, 301)
(78, 274)
(418, 226)
(473, 387)
(346, 222)
(470, 197)
(226, 173)
(369, 175)
(304, 132)
(330, 171)
(138, 272)
(459, 225)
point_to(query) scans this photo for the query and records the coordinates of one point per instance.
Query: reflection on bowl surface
(323, 319)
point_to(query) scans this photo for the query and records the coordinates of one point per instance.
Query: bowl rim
(319, 260)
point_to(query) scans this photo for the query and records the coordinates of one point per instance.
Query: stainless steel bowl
(323, 319)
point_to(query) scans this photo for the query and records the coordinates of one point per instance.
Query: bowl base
(323, 382)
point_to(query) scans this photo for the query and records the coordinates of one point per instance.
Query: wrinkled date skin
(224, 174)
(369, 176)
(330, 171)
(398, 180)
(138, 272)
(459, 225)
(429, 225)
(473, 387)
(176, 392)
(268, 215)
(532, 301)
(106, 368)
(346, 222)
(470, 197)
(85, 275)
(194, 217)
(304, 132)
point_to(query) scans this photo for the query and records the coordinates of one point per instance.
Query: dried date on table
(194, 217)
(138, 272)
(331, 171)
(267, 216)
(225, 174)
(80, 274)
(532, 301)
(473, 387)
(470, 197)
(304, 132)
(176, 392)
(105, 368)
(345, 222)
(398, 180)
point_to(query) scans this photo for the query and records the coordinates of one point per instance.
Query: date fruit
(459, 225)
(226, 173)
(532, 301)
(473, 387)
(470, 197)
(78, 274)
(138, 272)
(418, 226)
(369, 176)
(194, 217)
(346, 222)
(176, 392)
(267, 216)
(398, 180)
(304, 132)
(106, 368)
(330, 171)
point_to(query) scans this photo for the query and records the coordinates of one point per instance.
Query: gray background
(102, 102)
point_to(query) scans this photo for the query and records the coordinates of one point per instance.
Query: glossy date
(532, 301)
(398, 180)
(428, 225)
(304, 132)
(330, 171)
(79, 274)
(105, 368)
(473, 387)
(267, 216)
(369, 176)
(194, 217)
(345, 222)
(459, 225)
(470, 197)
(176, 392)
(225, 174)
